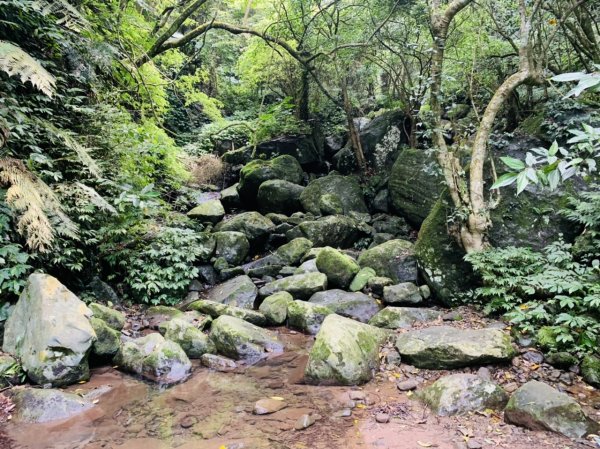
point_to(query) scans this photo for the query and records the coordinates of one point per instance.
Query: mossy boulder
(331, 204)
(293, 252)
(339, 268)
(232, 246)
(270, 265)
(34, 405)
(357, 306)
(108, 340)
(405, 293)
(307, 317)
(377, 283)
(590, 370)
(362, 278)
(50, 333)
(238, 292)
(345, 189)
(154, 358)
(277, 195)
(301, 286)
(394, 259)
(459, 394)
(275, 307)
(444, 347)
(546, 337)
(157, 314)
(238, 339)
(538, 406)
(192, 340)
(110, 316)
(254, 173)
(310, 266)
(403, 317)
(561, 359)
(230, 198)
(335, 230)
(345, 352)
(216, 309)
(211, 211)
(253, 225)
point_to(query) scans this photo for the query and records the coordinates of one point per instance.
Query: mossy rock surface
(108, 339)
(331, 204)
(211, 211)
(590, 370)
(238, 339)
(300, 286)
(394, 259)
(254, 173)
(306, 316)
(345, 352)
(538, 406)
(405, 293)
(230, 198)
(339, 268)
(110, 316)
(275, 307)
(353, 305)
(217, 309)
(253, 225)
(192, 340)
(334, 230)
(444, 347)
(34, 405)
(238, 292)
(279, 196)
(310, 266)
(50, 333)
(232, 246)
(361, 279)
(293, 252)
(346, 190)
(403, 317)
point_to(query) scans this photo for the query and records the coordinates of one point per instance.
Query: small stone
(343, 413)
(474, 444)
(268, 406)
(484, 373)
(382, 418)
(407, 385)
(304, 422)
(217, 362)
(511, 387)
(188, 422)
(452, 316)
(533, 357)
(357, 395)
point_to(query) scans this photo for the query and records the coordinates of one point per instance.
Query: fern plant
(15, 61)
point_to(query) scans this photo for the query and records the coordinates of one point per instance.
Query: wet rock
(291, 253)
(361, 279)
(50, 333)
(33, 405)
(394, 259)
(268, 406)
(238, 292)
(239, 339)
(254, 226)
(405, 293)
(230, 198)
(279, 196)
(345, 188)
(307, 317)
(378, 283)
(382, 418)
(339, 268)
(215, 310)
(334, 230)
(108, 340)
(444, 347)
(402, 317)
(256, 172)
(155, 359)
(310, 266)
(538, 406)
(407, 385)
(301, 286)
(562, 360)
(232, 246)
(275, 307)
(462, 393)
(304, 422)
(352, 305)
(345, 352)
(590, 370)
(192, 340)
(110, 316)
(211, 211)
(10, 371)
(217, 362)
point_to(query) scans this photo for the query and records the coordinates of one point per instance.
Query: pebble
(451, 316)
(511, 387)
(357, 395)
(533, 357)
(407, 385)
(188, 422)
(304, 422)
(484, 373)
(344, 413)
(382, 418)
(474, 444)
(267, 406)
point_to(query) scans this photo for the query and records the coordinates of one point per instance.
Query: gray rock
(307, 317)
(112, 317)
(258, 171)
(345, 188)
(538, 406)
(270, 265)
(211, 211)
(217, 362)
(34, 405)
(301, 286)
(275, 307)
(405, 293)
(378, 283)
(356, 305)
(334, 230)
(108, 340)
(310, 266)
(216, 309)
(443, 347)
(279, 196)
(339, 268)
(158, 314)
(293, 252)
(361, 279)
(403, 317)
(230, 198)
(253, 225)
(239, 339)
(459, 394)
(268, 406)
(192, 340)
(232, 246)
(394, 259)
(238, 292)
(50, 333)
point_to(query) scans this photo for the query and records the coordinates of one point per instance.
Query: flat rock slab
(33, 405)
(216, 309)
(403, 317)
(444, 347)
(300, 286)
(238, 292)
(356, 305)
(538, 406)
(268, 406)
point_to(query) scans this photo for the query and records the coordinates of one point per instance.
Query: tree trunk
(303, 111)
(354, 136)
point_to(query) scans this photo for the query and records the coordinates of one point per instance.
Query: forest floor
(213, 410)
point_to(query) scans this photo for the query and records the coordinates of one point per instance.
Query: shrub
(206, 169)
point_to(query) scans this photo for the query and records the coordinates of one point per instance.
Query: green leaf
(522, 181)
(513, 163)
(505, 180)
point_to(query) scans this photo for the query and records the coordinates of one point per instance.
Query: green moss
(590, 370)
(546, 337)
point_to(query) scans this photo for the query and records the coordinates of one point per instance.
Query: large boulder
(345, 188)
(335, 230)
(339, 268)
(275, 307)
(538, 406)
(216, 309)
(393, 259)
(34, 405)
(356, 305)
(232, 246)
(258, 171)
(307, 149)
(238, 292)
(192, 340)
(300, 286)
(444, 347)
(211, 211)
(345, 352)
(459, 394)
(108, 340)
(292, 252)
(405, 293)
(279, 196)
(112, 317)
(238, 339)
(50, 333)
(306, 316)
(403, 317)
(254, 226)
(155, 359)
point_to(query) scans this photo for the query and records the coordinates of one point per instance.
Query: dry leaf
(424, 444)
(277, 398)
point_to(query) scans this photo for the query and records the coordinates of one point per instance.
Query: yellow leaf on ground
(424, 444)
(277, 398)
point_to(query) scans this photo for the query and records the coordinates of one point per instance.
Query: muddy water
(213, 410)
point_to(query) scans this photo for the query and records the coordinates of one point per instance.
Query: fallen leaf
(424, 444)
(277, 398)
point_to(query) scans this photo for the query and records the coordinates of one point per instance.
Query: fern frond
(67, 15)
(15, 61)
(39, 211)
(95, 198)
